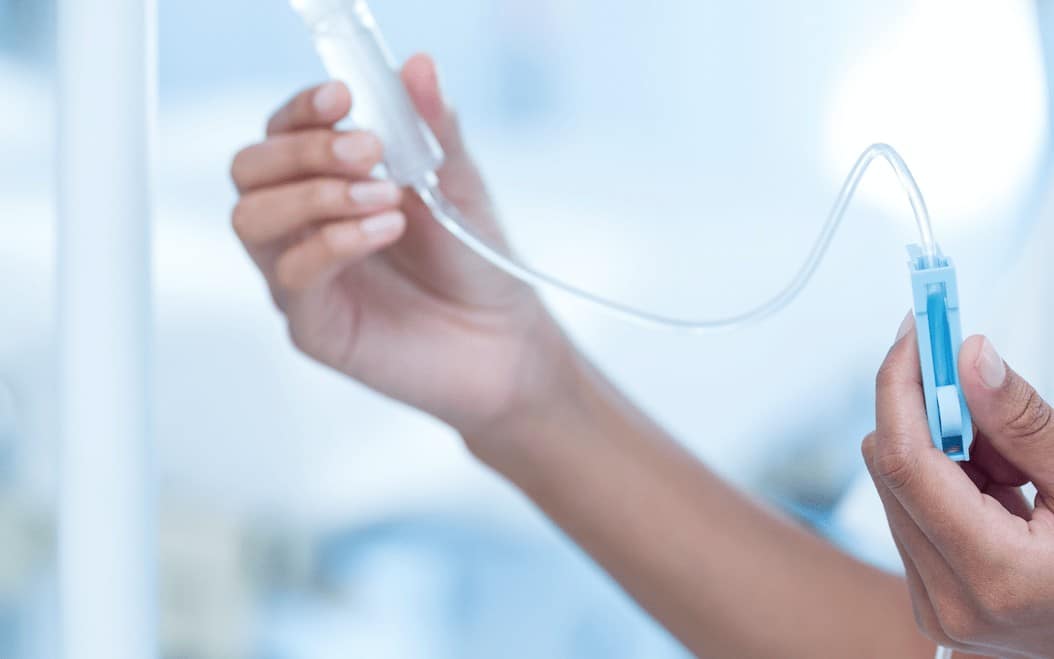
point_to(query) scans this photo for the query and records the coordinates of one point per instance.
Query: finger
(421, 79)
(944, 607)
(903, 529)
(326, 252)
(459, 177)
(272, 213)
(318, 107)
(936, 592)
(958, 519)
(297, 156)
(1018, 423)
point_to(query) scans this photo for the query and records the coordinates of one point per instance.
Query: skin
(372, 287)
(977, 554)
(402, 308)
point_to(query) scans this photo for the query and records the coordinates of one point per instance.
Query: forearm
(722, 573)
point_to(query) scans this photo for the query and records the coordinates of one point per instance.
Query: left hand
(373, 287)
(979, 559)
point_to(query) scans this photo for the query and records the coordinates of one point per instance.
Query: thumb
(1014, 418)
(422, 82)
(459, 177)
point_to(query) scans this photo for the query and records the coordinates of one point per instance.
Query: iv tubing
(451, 219)
(448, 216)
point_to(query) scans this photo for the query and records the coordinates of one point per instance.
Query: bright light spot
(959, 90)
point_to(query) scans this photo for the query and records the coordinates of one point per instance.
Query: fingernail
(327, 98)
(355, 148)
(382, 225)
(905, 326)
(375, 193)
(990, 366)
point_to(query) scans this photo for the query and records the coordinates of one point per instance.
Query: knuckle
(241, 220)
(868, 448)
(285, 117)
(278, 298)
(894, 462)
(328, 240)
(325, 195)
(1034, 419)
(237, 169)
(273, 123)
(313, 153)
(364, 150)
(296, 337)
(306, 338)
(373, 149)
(277, 120)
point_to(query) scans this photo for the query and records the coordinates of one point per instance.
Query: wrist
(556, 381)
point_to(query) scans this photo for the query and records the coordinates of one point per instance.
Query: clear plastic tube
(353, 50)
(448, 215)
(451, 219)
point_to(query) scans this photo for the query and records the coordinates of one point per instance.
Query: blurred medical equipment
(350, 44)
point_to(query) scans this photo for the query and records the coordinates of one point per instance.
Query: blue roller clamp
(940, 335)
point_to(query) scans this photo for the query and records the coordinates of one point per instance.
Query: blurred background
(680, 157)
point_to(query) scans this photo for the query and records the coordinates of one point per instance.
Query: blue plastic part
(936, 298)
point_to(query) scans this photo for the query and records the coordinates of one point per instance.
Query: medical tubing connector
(352, 49)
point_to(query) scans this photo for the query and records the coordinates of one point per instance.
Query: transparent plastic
(352, 49)
(447, 214)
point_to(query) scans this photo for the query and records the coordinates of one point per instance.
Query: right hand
(977, 555)
(371, 285)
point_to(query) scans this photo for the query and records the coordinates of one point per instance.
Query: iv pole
(105, 112)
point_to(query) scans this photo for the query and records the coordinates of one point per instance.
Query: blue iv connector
(936, 297)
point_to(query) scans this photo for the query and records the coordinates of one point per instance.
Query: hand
(370, 284)
(979, 559)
